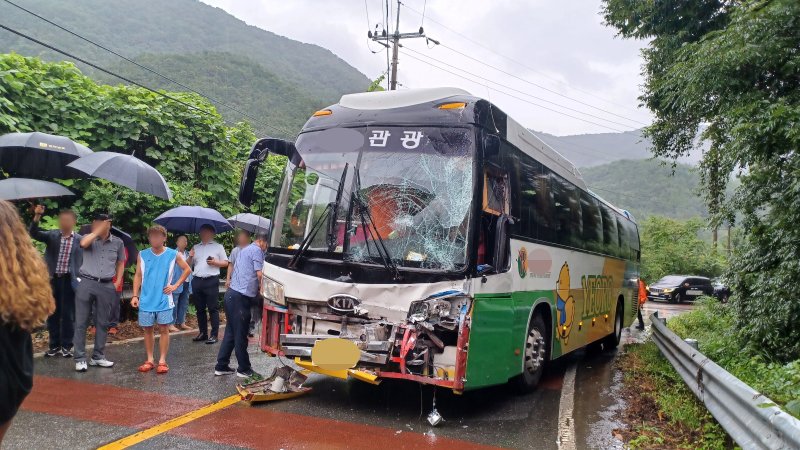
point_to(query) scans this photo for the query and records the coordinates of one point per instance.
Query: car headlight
(668, 290)
(272, 291)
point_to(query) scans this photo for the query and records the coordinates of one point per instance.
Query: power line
(511, 95)
(539, 86)
(106, 71)
(521, 64)
(153, 71)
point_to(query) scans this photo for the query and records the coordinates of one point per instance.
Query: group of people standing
(80, 279)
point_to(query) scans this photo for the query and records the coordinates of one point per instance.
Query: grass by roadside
(661, 411)
(712, 324)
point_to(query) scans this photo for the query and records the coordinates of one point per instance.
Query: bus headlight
(272, 291)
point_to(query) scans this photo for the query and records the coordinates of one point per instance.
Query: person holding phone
(208, 257)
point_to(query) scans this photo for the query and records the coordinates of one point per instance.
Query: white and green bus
(425, 235)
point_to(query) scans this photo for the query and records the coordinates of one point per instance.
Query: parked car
(678, 288)
(721, 289)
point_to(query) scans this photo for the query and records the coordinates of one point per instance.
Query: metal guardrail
(750, 418)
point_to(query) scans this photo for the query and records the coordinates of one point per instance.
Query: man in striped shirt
(240, 296)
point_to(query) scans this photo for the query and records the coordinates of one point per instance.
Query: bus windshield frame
(409, 189)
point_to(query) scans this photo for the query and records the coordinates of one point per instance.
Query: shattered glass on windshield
(418, 196)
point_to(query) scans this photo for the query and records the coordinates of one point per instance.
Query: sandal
(162, 368)
(146, 367)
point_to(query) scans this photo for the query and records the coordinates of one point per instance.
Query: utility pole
(394, 39)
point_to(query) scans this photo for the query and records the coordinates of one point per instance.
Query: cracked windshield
(407, 190)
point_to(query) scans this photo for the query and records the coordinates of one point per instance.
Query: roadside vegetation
(661, 411)
(671, 246)
(713, 324)
(200, 156)
(732, 70)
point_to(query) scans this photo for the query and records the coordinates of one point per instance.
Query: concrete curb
(131, 340)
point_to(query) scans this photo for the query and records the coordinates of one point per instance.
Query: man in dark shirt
(103, 260)
(63, 255)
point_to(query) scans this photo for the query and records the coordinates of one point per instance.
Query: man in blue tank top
(153, 289)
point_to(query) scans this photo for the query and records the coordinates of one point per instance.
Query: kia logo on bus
(343, 303)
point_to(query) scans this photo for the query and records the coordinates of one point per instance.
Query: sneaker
(80, 366)
(101, 362)
(66, 352)
(52, 352)
(225, 371)
(249, 374)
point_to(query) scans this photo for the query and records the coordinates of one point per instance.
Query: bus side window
(592, 223)
(610, 236)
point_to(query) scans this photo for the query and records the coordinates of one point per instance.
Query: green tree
(734, 68)
(671, 246)
(200, 157)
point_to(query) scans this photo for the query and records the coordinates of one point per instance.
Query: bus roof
(515, 133)
(369, 107)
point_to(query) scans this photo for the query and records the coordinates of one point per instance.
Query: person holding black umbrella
(207, 257)
(64, 256)
(103, 260)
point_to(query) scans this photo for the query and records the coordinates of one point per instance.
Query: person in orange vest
(642, 300)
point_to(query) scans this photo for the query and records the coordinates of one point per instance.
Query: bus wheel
(612, 340)
(534, 357)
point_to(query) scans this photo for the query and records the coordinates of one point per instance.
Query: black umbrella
(125, 170)
(251, 222)
(24, 188)
(39, 155)
(127, 241)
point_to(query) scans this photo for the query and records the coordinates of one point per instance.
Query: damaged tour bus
(425, 235)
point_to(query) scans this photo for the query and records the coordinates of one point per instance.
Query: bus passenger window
(610, 236)
(592, 223)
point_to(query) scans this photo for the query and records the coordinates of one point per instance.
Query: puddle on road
(598, 398)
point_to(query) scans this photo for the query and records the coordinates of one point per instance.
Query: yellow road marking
(163, 427)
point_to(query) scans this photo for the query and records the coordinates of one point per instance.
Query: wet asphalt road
(72, 410)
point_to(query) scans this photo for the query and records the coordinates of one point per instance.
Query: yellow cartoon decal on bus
(565, 304)
(522, 262)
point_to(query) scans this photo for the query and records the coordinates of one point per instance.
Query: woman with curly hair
(25, 302)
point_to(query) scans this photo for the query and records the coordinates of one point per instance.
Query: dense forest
(648, 188)
(270, 77)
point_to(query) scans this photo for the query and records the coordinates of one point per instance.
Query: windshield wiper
(370, 229)
(330, 213)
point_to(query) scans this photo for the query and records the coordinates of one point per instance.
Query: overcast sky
(541, 45)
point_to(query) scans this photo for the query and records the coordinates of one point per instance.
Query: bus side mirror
(491, 145)
(261, 149)
(248, 183)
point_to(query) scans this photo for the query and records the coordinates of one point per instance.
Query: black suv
(677, 288)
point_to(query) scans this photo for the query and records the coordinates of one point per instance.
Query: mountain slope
(646, 187)
(237, 81)
(187, 28)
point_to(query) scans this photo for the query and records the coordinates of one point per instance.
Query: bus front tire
(534, 356)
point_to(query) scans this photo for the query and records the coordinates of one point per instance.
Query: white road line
(566, 425)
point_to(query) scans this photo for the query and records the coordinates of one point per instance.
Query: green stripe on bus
(497, 335)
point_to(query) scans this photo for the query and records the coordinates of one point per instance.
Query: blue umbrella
(189, 219)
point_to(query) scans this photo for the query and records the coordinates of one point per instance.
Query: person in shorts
(153, 294)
